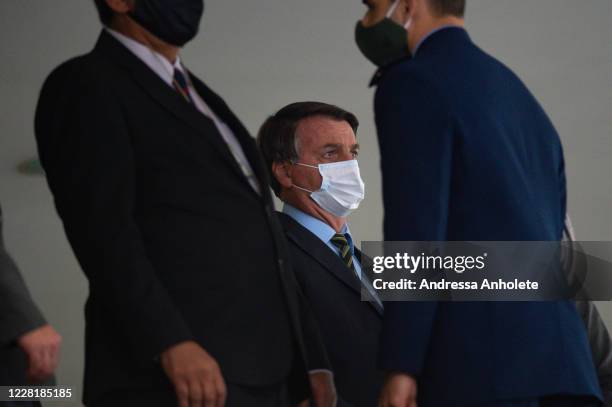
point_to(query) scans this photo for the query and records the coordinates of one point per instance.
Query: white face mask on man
(342, 188)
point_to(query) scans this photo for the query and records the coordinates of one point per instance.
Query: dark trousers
(14, 365)
(272, 396)
(237, 396)
(550, 401)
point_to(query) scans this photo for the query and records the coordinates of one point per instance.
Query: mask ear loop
(303, 189)
(408, 24)
(304, 165)
(393, 8)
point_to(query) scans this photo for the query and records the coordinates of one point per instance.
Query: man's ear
(415, 6)
(282, 173)
(120, 6)
(401, 13)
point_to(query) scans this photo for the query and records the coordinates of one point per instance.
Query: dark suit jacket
(350, 327)
(601, 346)
(175, 243)
(18, 315)
(467, 153)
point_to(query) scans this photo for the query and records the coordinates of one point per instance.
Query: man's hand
(323, 390)
(399, 390)
(196, 376)
(42, 347)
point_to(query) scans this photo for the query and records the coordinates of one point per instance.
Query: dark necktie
(341, 242)
(180, 84)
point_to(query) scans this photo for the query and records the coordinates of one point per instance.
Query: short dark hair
(104, 12)
(448, 7)
(277, 138)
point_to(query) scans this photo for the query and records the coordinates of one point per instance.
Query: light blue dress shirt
(323, 231)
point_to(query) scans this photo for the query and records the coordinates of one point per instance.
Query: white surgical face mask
(342, 188)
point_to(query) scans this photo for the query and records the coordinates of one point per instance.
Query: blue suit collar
(442, 37)
(439, 35)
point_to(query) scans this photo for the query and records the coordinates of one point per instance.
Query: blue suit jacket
(469, 154)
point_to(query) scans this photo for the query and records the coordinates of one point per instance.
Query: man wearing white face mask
(310, 150)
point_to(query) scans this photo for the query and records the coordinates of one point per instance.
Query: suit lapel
(247, 143)
(167, 97)
(366, 280)
(322, 254)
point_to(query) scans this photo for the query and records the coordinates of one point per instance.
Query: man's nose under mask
(342, 188)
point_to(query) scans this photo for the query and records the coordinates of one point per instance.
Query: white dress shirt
(165, 70)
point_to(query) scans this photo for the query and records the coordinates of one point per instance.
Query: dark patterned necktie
(180, 84)
(341, 242)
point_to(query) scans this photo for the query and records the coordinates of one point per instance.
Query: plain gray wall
(261, 55)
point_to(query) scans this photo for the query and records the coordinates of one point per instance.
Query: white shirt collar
(154, 60)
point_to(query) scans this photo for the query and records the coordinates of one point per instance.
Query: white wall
(261, 55)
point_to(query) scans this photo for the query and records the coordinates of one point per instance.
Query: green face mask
(384, 42)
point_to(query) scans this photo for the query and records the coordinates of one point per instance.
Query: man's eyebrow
(355, 146)
(331, 145)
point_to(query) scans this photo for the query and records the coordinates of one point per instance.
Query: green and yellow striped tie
(341, 242)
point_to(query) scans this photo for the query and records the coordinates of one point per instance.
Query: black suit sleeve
(85, 148)
(316, 353)
(562, 186)
(601, 346)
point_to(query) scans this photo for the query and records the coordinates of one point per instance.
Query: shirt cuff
(321, 371)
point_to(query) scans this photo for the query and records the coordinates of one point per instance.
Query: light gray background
(261, 55)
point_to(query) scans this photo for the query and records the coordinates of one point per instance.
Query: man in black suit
(310, 149)
(166, 204)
